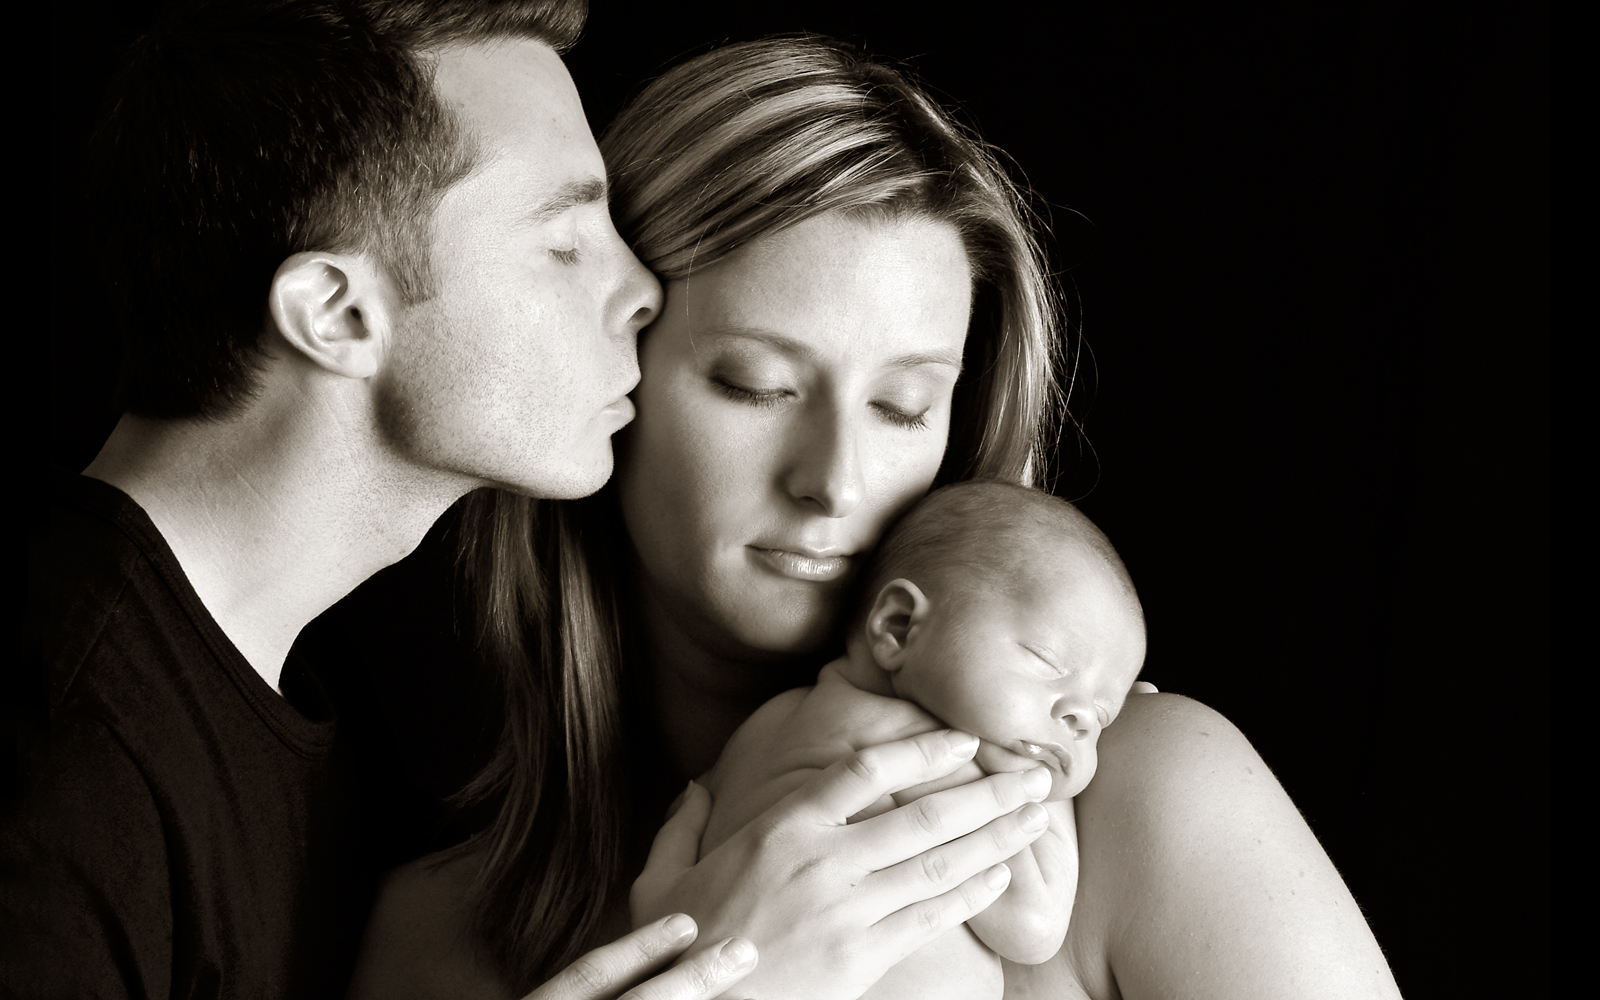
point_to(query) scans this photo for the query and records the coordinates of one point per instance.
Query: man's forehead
(511, 92)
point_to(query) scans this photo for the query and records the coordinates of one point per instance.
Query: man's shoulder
(100, 585)
(80, 530)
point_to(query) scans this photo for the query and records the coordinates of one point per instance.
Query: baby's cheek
(1085, 761)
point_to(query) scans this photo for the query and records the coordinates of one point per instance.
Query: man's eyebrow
(799, 348)
(569, 195)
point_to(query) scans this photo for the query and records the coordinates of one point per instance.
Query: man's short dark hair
(239, 133)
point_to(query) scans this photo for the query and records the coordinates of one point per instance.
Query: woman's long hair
(722, 150)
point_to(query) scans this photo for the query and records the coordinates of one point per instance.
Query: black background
(1311, 245)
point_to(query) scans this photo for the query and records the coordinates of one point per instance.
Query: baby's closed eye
(1044, 661)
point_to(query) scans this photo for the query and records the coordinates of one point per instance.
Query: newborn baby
(990, 608)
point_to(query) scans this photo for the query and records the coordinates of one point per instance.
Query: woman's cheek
(906, 464)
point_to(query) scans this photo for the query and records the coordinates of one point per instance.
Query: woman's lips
(801, 566)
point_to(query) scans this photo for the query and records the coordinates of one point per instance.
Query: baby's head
(1006, 613)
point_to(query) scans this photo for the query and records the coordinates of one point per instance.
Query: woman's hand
(419, 945)
(604, 973)
(832, 906)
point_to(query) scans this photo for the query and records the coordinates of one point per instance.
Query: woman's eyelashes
(902, 418)
(745, 394)
(741, 390)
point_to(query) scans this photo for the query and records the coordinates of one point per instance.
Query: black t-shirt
(174, 827)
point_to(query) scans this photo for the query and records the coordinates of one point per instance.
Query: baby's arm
(1029, 921)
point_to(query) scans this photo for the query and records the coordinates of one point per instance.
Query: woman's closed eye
(758, 395)
(906, 396)
(901, 417)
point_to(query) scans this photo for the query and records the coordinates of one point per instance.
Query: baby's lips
(996, 759)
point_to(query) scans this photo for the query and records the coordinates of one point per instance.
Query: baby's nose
(1082, 720)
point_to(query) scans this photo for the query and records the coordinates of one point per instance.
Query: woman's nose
(827, 469)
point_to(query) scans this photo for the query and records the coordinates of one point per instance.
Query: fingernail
(962, 744)
(997, 877)
(1033, 817)
(678, 926)
(1036, 782)
(738, 954)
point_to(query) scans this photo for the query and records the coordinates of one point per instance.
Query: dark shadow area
(1309, 250)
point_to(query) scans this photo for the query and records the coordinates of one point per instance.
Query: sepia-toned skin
(372, 416)
(800, 879)
(1036, 666)
(1197, 876)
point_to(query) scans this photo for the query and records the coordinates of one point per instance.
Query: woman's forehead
(900, 286)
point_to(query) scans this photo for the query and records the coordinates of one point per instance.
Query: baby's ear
(898, 609)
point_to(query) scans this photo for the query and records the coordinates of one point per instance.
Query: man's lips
(621, 407)
(811, 566)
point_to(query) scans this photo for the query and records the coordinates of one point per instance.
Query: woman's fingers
(985, 805)
(708, 974)
(676, 848)
(943, 868)
(608, 970)
(908, 929)
(862, 778)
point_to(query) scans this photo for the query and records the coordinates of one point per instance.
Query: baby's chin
(994, 758)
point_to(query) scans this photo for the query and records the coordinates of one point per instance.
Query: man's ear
(899, 608)
(335, 309)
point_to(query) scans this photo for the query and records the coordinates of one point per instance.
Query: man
(365, 265)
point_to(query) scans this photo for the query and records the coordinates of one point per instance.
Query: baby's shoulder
(835, 710)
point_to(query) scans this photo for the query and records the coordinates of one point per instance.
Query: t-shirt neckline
(306, 725)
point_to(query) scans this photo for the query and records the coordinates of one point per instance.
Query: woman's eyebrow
(951, 359)
(799, 348)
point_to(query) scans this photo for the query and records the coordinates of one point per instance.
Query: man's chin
(572, 482)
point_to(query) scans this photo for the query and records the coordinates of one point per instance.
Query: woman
(855, 311)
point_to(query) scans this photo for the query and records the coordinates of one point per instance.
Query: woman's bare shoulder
(418, 941)
(1167, 739)
(1199, 877)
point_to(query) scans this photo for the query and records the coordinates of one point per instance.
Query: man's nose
(826, 468)
(638, 298)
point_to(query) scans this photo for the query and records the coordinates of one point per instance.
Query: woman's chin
(773, 617)
(793, 628)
